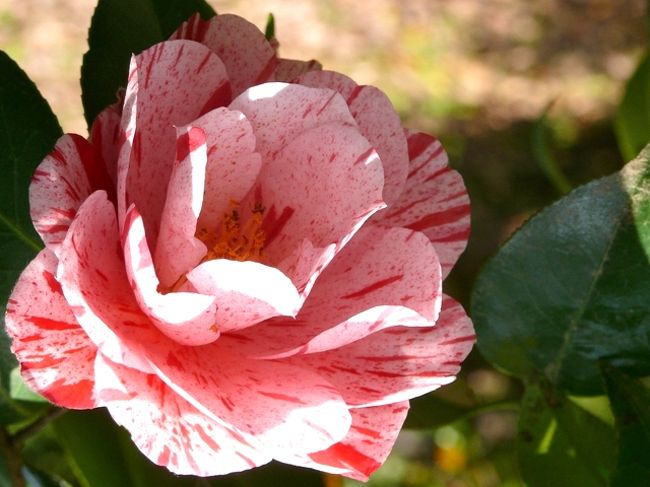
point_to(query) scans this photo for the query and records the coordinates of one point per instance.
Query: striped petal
(233, 164)
(178, 250)
(185, 317)
(167, 429)
(320, 187)
(367, 445)
(246, 292)
(286, 408)
(91, 273)
(377, 121)
(385, 277)
(64, 179)
(55, 354)
(434, 200)
(249, 58)
(398, 363)
(170, 84)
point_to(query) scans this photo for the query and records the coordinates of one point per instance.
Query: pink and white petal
(285, 408)
(233, 164)
(279, 112)
(287, 70)
(170, 84)
(383, 277)
(246, 292)
(378, 122)
(372, 435)
(185, 317)
(322, 187)
(178, 250)
(249, 58)
(398, 363)
(61, 183)
(169, 430)
(91, 273)
(55, 354)
(105, 135)
(434, 200)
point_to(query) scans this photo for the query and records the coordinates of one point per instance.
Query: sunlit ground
(477, 73)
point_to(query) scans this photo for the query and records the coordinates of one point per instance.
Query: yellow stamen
(233, 241)
(236, 241)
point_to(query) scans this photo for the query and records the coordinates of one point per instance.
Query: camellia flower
(244, 262)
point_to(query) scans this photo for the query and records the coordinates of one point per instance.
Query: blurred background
(507, 85)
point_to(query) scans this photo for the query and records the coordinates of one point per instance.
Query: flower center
(236, 240)
(233, 240)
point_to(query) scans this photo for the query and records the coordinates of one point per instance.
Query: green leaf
(120, 28)
(91, 440)
(560, 444)
(545, 158)
(28, 131)
(632, 120)
(572, 286)
(431, 411)
(631, 404)
(269, 31)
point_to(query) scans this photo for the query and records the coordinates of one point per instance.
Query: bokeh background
(507, 85)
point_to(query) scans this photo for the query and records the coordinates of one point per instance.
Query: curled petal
(271, 108)
(170, 84)
(178, 250)
(65, 178)
(399, 363)
(91, 273)
(365, 448)
(169, 430)
(377, 121)
(246, 292)
(434, 200)
(321, 187)
(233, 164)
(55, 354)
(185, 317)
(384, 277)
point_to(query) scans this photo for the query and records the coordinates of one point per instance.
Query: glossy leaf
(632, 121)
(631, 404)
(28, 131)
(431, 411)
(91, 441)
(560, 444)
(120, 28)
(572, 286)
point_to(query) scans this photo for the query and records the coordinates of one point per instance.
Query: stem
(11, 453)
(21, 436)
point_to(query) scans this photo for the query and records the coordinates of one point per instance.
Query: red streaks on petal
(373, 287)
(273, 225)
(188, 142)
(282, 397)
(49, 324)
(468, 338)
(52, 283)
(440, 218)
